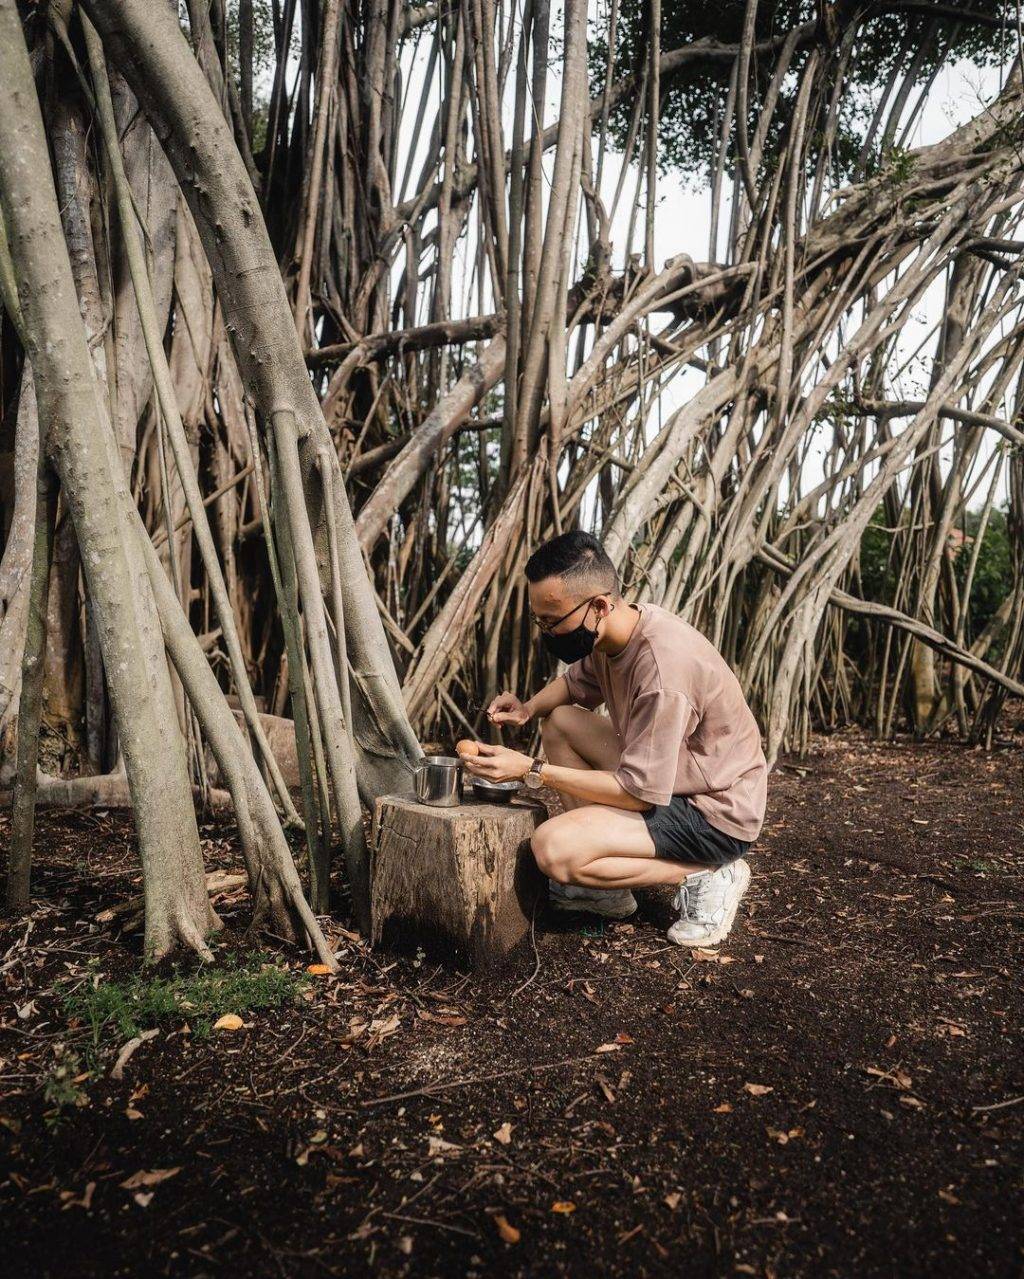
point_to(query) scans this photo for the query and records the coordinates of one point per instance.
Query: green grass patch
(126, 1008)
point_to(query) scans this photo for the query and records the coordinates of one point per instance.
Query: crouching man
(670, 787)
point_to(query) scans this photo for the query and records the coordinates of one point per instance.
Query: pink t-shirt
(683, 722)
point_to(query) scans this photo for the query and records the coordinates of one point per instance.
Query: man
(670, 787)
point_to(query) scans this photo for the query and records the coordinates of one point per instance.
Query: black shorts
(681, 833)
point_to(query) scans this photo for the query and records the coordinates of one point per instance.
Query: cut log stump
(459, 882)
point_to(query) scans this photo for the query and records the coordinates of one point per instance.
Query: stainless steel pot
(438, 779)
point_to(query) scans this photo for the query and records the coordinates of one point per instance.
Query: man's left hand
(498, 763)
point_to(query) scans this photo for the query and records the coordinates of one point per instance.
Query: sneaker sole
(725, 927)
(580, 906)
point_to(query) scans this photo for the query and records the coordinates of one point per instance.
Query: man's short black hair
(579, 559)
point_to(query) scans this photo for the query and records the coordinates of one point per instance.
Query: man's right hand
(508, 709)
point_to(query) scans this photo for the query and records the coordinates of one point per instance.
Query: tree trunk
(78, 441)
(148, 46)
(461, 882)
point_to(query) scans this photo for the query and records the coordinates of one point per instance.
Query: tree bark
(78, 444)
(148, 46)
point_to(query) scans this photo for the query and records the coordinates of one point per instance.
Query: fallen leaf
(504, 1133)
(671, 1201)
(507, 1231)
(700, 955)
(143, 1197)
(608, 1048)
(915, 1103)
(230, 1021)
(783, 1137)
(758, 1090)
(723, 1109)
(899, 1078)
(564, 1206)
(438, 1146)
(85, 1200)
(132, 1113)
(442, 1019)
(947, 1195)
(318, 970)
(623, 1038)
(357, 1152)
(151, 1178)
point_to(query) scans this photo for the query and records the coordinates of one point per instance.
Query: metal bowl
(493, 792)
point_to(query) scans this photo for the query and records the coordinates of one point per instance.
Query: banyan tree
(319, 315)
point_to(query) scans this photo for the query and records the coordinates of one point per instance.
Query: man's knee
(552, 851)
(555, 724)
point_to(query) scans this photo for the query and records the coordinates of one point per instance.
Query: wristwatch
(533, 778)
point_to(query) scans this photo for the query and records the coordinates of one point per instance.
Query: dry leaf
(132, 1113)
(443, 1019)
(504, 1133)
(230, 1021)
(143, 1197)
(672, 1201)
(783, 1137)
(608, 1048)
(723, 1109)
(318, 970)
(899, 1078)
(623, 1038)
(508, 1232)
(151, 1178)
(915, 1103)
(700, 955)
(85, 1200)
(758, 1090)
(564, 1206)
(438, 1146)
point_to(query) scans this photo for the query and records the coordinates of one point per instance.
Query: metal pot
(437, 779)
(494, 792)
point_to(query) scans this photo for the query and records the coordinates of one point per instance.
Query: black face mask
(573, 645)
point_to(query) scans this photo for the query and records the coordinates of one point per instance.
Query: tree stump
(459, 882)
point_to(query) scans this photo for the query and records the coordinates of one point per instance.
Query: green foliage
(693, 96)
(62, 1087)
(126, 1008)
(993, 577)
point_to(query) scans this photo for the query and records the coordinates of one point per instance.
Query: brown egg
(467, 747)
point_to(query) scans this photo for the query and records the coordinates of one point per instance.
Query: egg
(467, 747)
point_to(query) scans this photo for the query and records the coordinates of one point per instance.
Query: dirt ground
(838, 1090)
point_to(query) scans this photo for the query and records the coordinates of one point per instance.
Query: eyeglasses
(550, 626)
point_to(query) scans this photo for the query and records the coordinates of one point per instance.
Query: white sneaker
(707, 908)
(612, 903)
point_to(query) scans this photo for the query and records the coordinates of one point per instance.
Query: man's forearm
(551, 695)
(591, 784)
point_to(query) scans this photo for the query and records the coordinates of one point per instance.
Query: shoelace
(689, 899)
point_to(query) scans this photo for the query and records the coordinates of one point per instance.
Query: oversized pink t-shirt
(683, 723)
